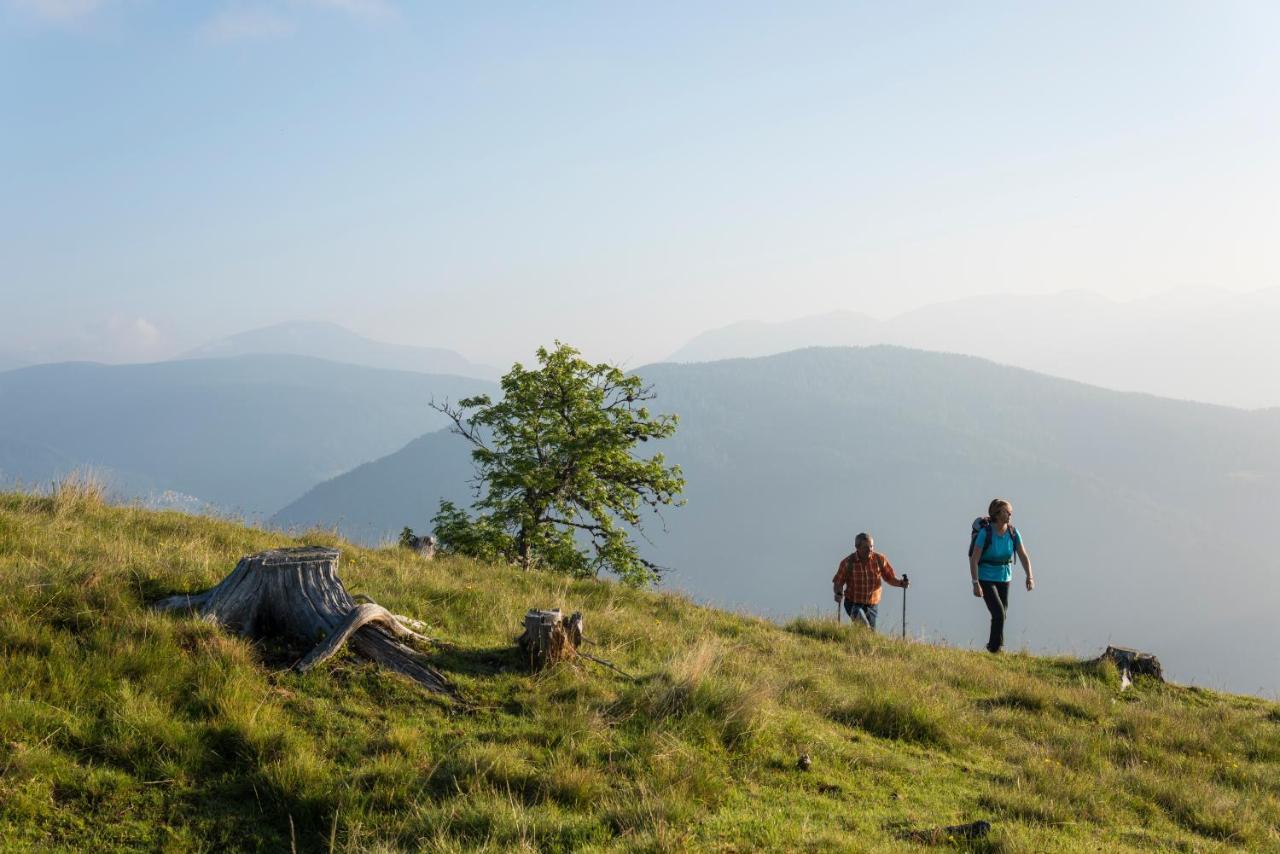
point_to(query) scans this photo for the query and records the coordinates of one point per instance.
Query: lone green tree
(557, 481)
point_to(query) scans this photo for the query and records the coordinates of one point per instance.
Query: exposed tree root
(297, 593)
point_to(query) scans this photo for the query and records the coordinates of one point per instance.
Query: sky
(489, 177)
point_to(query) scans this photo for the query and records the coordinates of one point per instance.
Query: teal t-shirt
(997, 563)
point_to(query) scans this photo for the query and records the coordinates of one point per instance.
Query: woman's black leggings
(996, 595)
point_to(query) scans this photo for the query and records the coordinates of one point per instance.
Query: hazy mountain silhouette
(8, 362)
(1147, 519)
(1192, 344)
(371, 503)
(337, 344)
(246, 434)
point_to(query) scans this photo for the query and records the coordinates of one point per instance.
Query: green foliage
(483, 538)
(406, 537)
(556, 467)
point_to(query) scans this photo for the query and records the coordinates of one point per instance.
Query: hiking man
(858, 579)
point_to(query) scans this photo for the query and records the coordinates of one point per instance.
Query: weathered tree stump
(425, 545)
(296, 593)
(1134, 662)
(550, 637)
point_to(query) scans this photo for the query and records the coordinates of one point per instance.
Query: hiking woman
(994, 547)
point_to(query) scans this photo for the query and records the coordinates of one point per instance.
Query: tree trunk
(549, 637)
(296, 593)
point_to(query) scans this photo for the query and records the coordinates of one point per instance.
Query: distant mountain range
(246, 434)
(9, 361)
(1148, 519)
(1193, 344)
(371, 503)
(337, 344)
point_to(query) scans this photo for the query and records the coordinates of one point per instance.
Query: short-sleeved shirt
(997, 563)
(861, 579)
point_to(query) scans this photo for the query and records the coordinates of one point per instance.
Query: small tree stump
(296, 593)
(425, 545)
(550, 638)
(1135, 662)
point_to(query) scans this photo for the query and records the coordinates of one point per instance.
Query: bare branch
(461, 426)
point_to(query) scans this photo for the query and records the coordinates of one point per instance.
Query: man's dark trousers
(858, 611)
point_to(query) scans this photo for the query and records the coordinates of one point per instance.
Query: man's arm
(890, 577)
(838, 583)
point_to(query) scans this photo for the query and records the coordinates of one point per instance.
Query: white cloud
(59, 11)
(143, 331)
(131, 336)
(241, 23)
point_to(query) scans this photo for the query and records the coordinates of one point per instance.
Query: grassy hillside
(121, 729)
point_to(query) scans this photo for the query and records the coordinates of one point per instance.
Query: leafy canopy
(556, 479)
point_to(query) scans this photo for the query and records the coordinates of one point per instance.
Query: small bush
(889, 717)
(1022, 699)
(574, 784)
(78, 491)
(823, 630)
(695, 684)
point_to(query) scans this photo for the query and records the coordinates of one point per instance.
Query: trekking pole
(904, 609)
(838, 604)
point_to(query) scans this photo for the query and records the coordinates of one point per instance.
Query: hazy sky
(489, 176)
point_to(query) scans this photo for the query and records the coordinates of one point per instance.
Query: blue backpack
(983, 523)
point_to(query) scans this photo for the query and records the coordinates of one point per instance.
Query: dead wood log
(296, 593)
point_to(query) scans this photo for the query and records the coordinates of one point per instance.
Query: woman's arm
(973, 567)
(1026, 565)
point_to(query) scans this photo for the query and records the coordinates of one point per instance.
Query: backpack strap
(1013, 532)
(846, 567)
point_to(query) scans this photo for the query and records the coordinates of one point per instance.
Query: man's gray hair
(863, 536)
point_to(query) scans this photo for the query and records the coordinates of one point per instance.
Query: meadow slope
(121, 729)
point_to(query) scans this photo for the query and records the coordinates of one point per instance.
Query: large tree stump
(296, 593)
(550, 637)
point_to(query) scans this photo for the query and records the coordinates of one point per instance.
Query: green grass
(121, 729)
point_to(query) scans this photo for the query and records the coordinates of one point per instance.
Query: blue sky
(490, 176)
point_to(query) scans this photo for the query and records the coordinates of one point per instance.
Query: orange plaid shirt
(860, 579)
